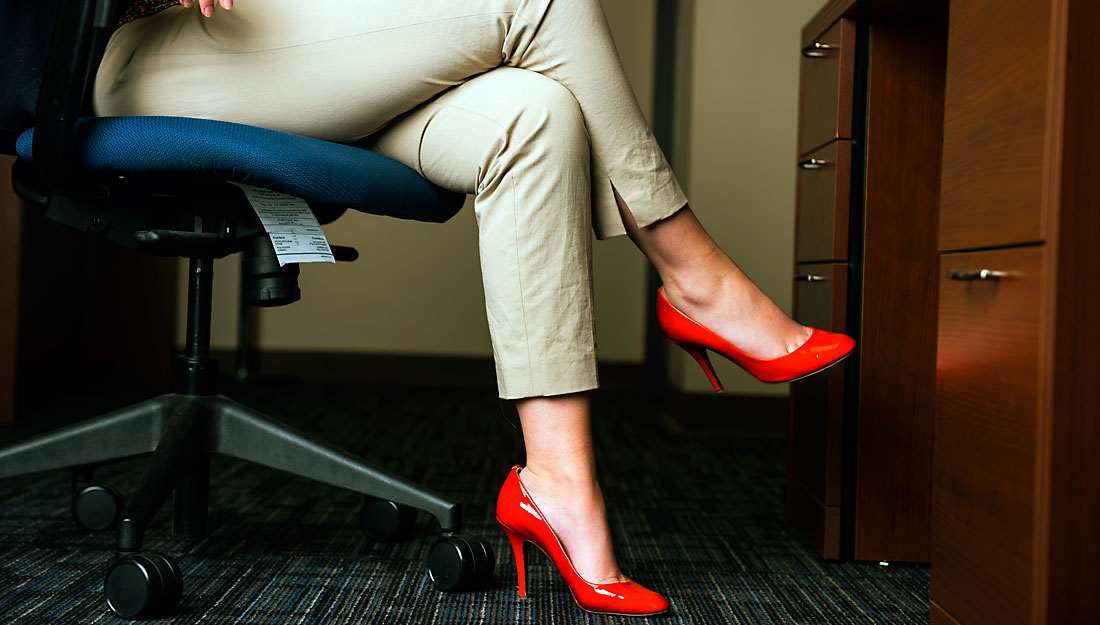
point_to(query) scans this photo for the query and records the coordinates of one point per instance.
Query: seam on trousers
(592, 152)
(519, 277)
(320, 41)
(113, 42)
(519, 14)
(535, 28)
(614, 202)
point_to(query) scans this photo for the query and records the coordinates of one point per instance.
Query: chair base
(182, 431)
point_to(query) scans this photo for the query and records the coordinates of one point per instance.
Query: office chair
(162, 185)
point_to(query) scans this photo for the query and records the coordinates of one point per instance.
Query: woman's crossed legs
(521, 102)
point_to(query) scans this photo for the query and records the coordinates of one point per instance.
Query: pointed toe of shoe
(627, 598)
(653, 602)
(822, 350)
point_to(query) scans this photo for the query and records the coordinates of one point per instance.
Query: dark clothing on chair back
(24, 36)
(25, 27)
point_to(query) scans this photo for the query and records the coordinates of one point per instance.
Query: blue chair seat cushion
(321, 172)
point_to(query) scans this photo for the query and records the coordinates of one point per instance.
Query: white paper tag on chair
(294, 231)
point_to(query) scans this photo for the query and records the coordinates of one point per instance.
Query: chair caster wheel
(460, 562)
(385, 521)
(97, 506)
(141, 585)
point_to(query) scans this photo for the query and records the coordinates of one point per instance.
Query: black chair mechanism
(164, 186)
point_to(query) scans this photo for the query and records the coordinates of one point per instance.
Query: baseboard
(399, 369)
(688, 413)
(363, 368)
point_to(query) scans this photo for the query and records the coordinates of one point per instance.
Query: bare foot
(576, 512)
(730, 305)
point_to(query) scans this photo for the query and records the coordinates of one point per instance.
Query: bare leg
(702, 281)
(561, 477)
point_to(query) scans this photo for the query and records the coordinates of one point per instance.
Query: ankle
(701, 289)
(560, 480)
(569, 500)
(734, 308)
(575, 510)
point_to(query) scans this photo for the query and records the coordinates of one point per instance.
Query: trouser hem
(607, 221)
(560, 378)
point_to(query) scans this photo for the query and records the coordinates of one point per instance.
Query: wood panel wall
(77, 314)
(10, 227)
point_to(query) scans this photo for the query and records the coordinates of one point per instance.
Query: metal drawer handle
(817, 50)
(813, 163)
(970, 275)
(810, 277)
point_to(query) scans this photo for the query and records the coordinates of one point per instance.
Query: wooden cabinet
(76, 312)
(817, 412)
(988, 365)
(10, 240)
(1006, 309)
(996, 125)
(828, 72)
(868, 194)
(1016, 471)
(824, 197)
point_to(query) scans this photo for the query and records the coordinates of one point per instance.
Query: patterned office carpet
(697, 516)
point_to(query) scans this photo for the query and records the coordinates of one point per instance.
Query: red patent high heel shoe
(522, 521)
(820, 351)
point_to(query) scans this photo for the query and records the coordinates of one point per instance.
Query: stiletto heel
(517, 550)
(522, 521)
(822, 350)
(701, 357)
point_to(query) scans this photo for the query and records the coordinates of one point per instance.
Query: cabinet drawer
(997, 136)
(828, 75)
(817, 402)
(987, 375)
(821, 295)
(824, 192)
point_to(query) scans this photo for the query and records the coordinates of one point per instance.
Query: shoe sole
(816, 371)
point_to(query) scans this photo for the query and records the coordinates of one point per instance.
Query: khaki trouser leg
(343, 70)
(516, 140)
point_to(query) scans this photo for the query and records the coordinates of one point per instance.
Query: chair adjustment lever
(180, 238)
